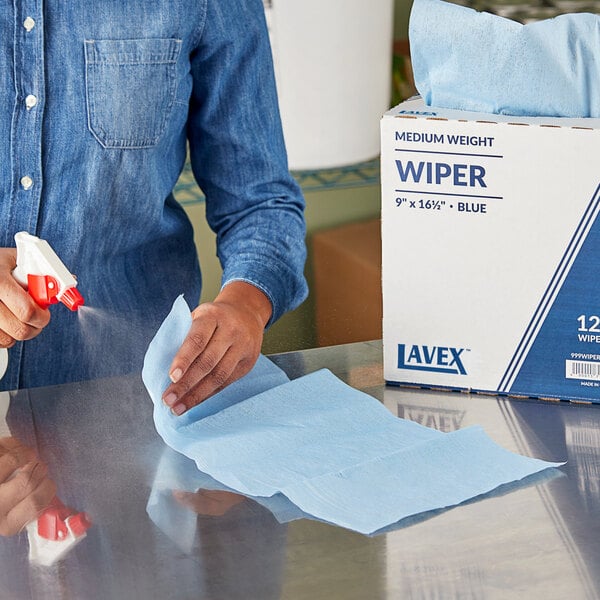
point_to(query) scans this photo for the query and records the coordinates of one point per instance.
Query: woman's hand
(223, 345)
(213, 503)
(25, 490)
(21, 318)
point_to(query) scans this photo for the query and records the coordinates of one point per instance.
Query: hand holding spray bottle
(44, 276)
(47, 281)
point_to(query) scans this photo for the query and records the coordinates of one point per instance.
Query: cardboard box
(347, 271)
(491, 252)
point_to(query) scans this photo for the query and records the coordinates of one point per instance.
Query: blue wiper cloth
(476, 61)
(336, 453)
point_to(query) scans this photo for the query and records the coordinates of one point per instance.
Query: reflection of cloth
(231, 546)
(173, 519)
(177, 472)
(100, 145)
(480, 62)
(335, 452)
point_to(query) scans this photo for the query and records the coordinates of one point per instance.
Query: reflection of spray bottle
(58, 528)
(48, 281)
(55, 532)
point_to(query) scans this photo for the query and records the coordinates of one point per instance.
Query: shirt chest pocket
(130, 87)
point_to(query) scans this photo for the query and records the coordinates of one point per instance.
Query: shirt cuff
(284, 289)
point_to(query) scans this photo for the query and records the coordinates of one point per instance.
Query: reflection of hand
(20, 317)
(25, 490)
(213, 503)
(223, 344)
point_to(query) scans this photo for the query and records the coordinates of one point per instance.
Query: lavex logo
(437, 359)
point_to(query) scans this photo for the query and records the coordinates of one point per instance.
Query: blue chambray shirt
(97, 102)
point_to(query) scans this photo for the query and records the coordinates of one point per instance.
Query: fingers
(214, 503)
(222, 345)
(21, 318)
(208, 366)
(24, 496)
(205, 323)
(20, 321)
(187, 394)
(29, 509)
(13, 456)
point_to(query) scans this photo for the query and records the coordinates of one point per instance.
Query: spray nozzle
(47, 279)
(72, 299)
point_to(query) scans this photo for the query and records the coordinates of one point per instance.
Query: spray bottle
(47, 281)
(44, 276)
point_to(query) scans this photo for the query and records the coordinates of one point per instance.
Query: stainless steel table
(539, 540)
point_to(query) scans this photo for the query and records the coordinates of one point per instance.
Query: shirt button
(30, 101)
(26, 182)
(29, 24)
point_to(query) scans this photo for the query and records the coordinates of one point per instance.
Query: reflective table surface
(156, 535)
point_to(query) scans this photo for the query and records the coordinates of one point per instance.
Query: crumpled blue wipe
(337, 453)
(476, 61)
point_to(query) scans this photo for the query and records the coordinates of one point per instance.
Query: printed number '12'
(591, 323)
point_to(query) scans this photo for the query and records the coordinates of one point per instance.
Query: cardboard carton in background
(491, 252)
(347, 274)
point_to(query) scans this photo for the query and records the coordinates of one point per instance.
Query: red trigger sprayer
(59, 527)
(47, 279)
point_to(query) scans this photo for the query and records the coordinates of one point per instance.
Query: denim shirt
(98, 101)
